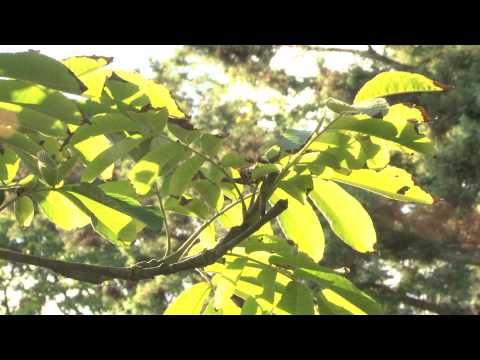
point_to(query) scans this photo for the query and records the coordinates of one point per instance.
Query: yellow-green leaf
(301, 225)
(9, 165)
(191, 301)
(109, 156)
(24, 211)
(391, 182)
(144, 173)
(91, 148)
(397, 82)
(61, 211)
(346, 216)
(104, 124)
(38, 98)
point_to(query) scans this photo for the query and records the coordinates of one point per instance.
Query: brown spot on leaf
(403, 190)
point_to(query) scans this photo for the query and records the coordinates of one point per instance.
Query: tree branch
(369, 54)
(97, 274)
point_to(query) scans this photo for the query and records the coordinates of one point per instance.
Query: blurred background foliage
(429, 257)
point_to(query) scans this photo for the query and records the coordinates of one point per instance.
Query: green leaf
(144, 173)
(89, 69)
(397, 82)
(235, 160)
(158, 95)
(21, 141)
(82, 65)
(37, 68)
(191, 301)
(292, 140)
(109, 156)
(346, 216)
(40, 99)
(24, 211)
(301, 225)
(377, 152)
(91, 148)
(298, 186)
(182, 177)
(121, 187)
(397, 130)
(104, 124)
(60, 210)
(9, 165)
(250, 307)
(297, 300)
(347, 296)
(155, 120)
(33, 120)
(262, 170)
(391, 182)
(188, 207)
(227, 281)
(122, 204)
(210, 192)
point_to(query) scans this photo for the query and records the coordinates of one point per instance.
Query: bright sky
(130, 57)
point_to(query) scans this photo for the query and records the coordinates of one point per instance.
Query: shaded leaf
(24, 211)
(35, 67)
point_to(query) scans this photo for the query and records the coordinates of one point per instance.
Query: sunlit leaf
(35, 121)
(391, 182)
(398, 130)
(335, 283)
(38, 98)
(91, 148)
(397, 82)
(60, 210)
(9, 165)
(158, 95)
(90, 70)
(145, 171)
(301, 225)
(109, 156)
(346, 216)
(191, 301)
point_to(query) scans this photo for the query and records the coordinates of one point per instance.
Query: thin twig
(165, 219)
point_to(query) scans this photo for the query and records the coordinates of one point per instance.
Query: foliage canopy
(260, 243)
